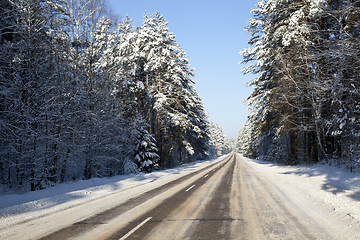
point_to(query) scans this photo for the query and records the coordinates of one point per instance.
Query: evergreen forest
(84, 94)
(305, 104)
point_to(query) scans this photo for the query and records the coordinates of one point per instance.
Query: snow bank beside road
(17, 207)
(323, 192)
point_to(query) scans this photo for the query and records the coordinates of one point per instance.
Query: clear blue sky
(212, 34)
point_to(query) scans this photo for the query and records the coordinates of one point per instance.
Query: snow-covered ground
(323, 192)
(321, 189)
(17, 207)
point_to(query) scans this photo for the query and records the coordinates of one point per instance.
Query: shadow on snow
(337, 180)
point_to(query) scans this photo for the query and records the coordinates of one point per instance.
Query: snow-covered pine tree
(265, 85)
(155, 50)
(340, 38)
(298, 49)
(246, 143)
(219, 140)
(169, 88)
(199, 134)
(145, 151)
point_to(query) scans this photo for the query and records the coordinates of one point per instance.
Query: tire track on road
(215, 219)
(162, 211)
(104, 217)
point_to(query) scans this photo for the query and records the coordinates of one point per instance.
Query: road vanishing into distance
(225, 200)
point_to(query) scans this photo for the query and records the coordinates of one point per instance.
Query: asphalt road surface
(226, 200)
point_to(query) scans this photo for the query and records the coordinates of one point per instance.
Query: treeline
(305, 106)
(84, 95)
(221, 143)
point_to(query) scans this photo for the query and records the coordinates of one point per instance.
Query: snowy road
(230, 198)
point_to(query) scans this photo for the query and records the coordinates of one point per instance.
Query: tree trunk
(293, 158)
